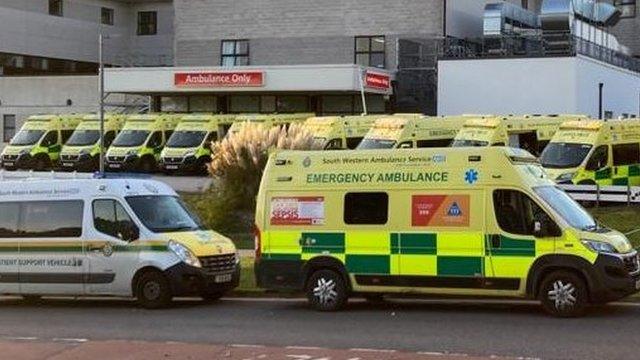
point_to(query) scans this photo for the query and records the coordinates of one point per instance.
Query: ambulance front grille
(632, 264)
(69, 157)
(116, 158)
(218, 263)
(10, 157)
(173, 160)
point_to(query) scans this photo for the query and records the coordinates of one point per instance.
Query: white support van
(113, 237)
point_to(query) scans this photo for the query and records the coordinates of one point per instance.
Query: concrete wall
(27, 28)
(527, 86)
(298, 31)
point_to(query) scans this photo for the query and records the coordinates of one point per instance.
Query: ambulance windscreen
(566, 207)
(84, 137)
(376, 144)
(186, 139)
(27, 137)
(564, 155)
(469, 143)
(129, 138)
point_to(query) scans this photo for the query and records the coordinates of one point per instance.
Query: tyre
(153, 290)
(211, 296)
(147, 165)
(564, 294)
(41, 163)
(326, 290)
(203, 166)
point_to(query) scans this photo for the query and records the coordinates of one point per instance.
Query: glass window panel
(268, 104)
(242, 47)
(337, 104)
(362, 59)
(377, 43)
(174, 104)
(242, 61)
(362, 44)
(228, 47)
(244, 104)
(377, 60)
(203, 104)
(293, 104)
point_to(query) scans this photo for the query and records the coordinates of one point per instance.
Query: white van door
(111, 256)
(9, 271)
(51, 257)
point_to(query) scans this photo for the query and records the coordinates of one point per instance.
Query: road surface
(483, 329)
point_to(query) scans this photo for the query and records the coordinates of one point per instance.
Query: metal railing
(548, 44)
(603, 194)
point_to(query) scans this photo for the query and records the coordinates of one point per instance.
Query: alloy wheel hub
(325, 291)
(562, 294)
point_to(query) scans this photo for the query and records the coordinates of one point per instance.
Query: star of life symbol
(471, 176)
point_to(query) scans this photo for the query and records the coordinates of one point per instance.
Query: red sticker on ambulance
(440, 210)
(300, 210)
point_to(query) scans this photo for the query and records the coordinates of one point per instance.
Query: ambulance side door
(9, 271)
(51, 257)
(511, 245)
(111, 256)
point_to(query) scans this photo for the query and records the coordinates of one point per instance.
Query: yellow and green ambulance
(109, 237)
(188, 150)
(471, 222)
(529, 132)
(590, 152)
(339, 132)
(139, 145)
(38, 144)
(82, 151)
(404, 132)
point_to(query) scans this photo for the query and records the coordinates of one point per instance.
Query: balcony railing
(534, 46)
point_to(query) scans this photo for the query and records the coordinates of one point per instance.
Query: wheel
(326, 290)
(41, 164)
(564, 294)
(153, 290)
(148, 165)
(203, 165)
(211, 296)
(31, 299)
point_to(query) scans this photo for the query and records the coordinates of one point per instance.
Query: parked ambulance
(339, 132)
(529, 132)
(595, 152)
(188, 150)
(475, 222)
(398, 132)
(38, 144)
(108, 237)
(82, 151)
(138, 146)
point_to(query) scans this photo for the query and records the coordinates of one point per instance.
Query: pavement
(184, 184)
(288, 329)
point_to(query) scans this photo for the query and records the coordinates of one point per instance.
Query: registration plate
(66, 164)
(115, 166)
(172, 167)
(223, 278)
(6, 163)
(638, 284)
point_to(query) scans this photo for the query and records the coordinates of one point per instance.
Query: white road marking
(78, 340)
(20, 338)
(373, 350)
(246, 346)
(305, 348)
(431, 353)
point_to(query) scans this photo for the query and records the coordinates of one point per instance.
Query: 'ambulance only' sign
(220, 79)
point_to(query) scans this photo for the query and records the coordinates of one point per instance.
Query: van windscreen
(376, 144)
(164, 213)
(566, 207)
(84, 137)
(129, 138)
(564, 155)
(27, 137)
(469, 143)
(186, 139)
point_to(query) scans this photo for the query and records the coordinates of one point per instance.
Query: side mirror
(207, 144)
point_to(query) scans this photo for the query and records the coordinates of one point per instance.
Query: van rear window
(366, 208)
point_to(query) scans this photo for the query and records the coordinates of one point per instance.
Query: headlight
(599, 247)
(189, 153)
(566, 177)
(184, 254)
(237, 257)
(84, 152)
(24, 152)
(132, 152)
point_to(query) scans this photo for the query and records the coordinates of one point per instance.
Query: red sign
(377, 80)
(298, 210)
(220, 79)
(440, 210)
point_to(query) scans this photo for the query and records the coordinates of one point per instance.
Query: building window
(8, 127)
(525, 4)
(147, 23)
(106, 16)
(370, 51)
(235, 53)
(55, 7)
(626, 7)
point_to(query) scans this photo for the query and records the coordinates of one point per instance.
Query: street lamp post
(101, 61)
